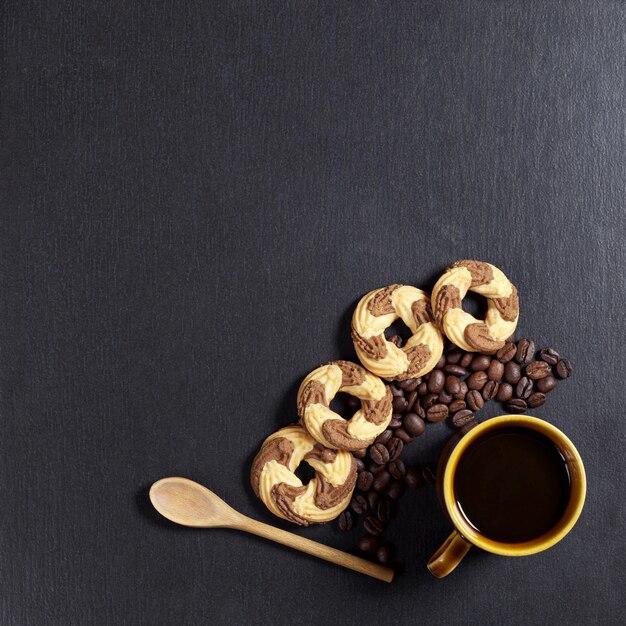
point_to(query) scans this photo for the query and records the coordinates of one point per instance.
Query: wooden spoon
(186, 502)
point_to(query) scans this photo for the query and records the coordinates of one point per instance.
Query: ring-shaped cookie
(317, 392)
(380, 308)
(464, 329)
(273, 479)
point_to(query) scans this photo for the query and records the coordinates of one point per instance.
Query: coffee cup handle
(449, 555)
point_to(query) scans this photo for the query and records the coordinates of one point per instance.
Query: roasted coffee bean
(524, 388)
(516, 405)
(365, 480)
(429, 400)
(399, 404)
(474, 400)
(512, 372)
(384, 437)
(360, 454)
(564, 369)
(453, 384)
(373, 525)
(445, 397)
(381, 481)
(490, 390)
(397, 469)
(538, 369)
(454, 355)
(396, 489)
(462, 391)
(437, 413)
(374, 468)
(401, 433)
(413, 478)
(396, 340)
(495, 370)
(466, 359)
(477, 380)
(455, 370)
(467, 427)
(525, 351)
(368, 543)
(384, 511)
(410, 400)
(436, 381)
(379, 454)
(409, 382)
(352, 403)
(395, 391)
(536, 399)
(422, 389)
(505, 393)
(506, 352)
(383, 554)
(428, 473)
(372, 499)
(546, 385)
(345, 521)
(480, 363)
(395, 447)
(358, 504)
(413, 424)
(419, 409)
(441, 363)
(395, 423)
(549, 355)
(460, 418)
(457, 405)
(360, 466)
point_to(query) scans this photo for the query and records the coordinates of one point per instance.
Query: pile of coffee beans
(459, 386)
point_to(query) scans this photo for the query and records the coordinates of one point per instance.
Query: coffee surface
(512, 485)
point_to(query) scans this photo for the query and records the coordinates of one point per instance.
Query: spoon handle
(316, 549)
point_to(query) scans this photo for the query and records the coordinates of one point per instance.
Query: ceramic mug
(464, 535)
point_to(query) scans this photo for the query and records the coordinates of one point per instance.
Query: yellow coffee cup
(465, 534)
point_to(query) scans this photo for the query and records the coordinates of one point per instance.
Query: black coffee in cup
(512, 485)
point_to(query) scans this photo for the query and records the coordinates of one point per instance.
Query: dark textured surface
(195, 194)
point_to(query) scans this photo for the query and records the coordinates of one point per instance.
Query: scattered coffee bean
(437, 413)
(395, 423)
(516, 405)
(365, 480)
(374, 468)
(441, 363)
(379, 454)
(524, 388)
(360, 466)
(436, 381)
(395, 391)
(454, 355)
(358, 504)
(460, 418)
(399, 404)
(384, 437)
(453, 384)
(564, 369)
(381, 481)
(414, 424)
(495, 370)
(428, 473)
(445, 397)
(549, 355)
(345, 521)
(536, 399)
(422, 389)
(490, 390)
(360, 454)
(538, 369)
(466, 359)
(457, 405)
(506, 353)
(512, 372)
(384, 510)
(396, 489)
(462, 391)
(368, 543)
(373, 525)
(545, 385)
(525, 351)
(394, 448)
(480, 363)
(410, 400)
(455, 370)
(352, 403)
(474, 400)
(397, 469)
(373, 498)
(401, 433)
(505, 393)
(383, 554)
(477, 380)
(413, 478)
(409, 382)
(429, 400)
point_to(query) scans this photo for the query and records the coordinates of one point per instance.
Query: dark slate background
(194, 196)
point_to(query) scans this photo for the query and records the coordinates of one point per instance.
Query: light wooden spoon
(186, 502)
